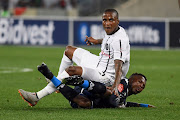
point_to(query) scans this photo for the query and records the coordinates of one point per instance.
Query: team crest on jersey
(120, 87)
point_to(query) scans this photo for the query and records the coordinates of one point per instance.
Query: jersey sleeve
(120, 49)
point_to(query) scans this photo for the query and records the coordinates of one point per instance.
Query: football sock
(85, 84)
(55, 81)
(67, 92)
(65, 63)
(62, 75)
(50, 88)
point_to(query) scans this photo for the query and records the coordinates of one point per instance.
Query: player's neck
(115, 30)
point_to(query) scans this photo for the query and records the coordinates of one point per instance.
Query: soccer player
(94, 94)
(108, 68)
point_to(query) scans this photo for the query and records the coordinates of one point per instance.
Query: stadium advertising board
(174, 35)
(89, 28)
(33, 32)
(144, 34)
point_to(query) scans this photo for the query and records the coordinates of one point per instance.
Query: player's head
(110, 21)
(137, 83)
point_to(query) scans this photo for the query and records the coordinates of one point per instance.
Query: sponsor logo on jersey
(103, 53)
(120, 87)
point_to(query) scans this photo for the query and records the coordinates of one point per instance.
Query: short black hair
(113, 11)
(140, 75)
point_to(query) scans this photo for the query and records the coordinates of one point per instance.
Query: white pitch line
(5, 70)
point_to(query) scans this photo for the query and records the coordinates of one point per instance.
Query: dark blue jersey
(113, 101)
(106, 102)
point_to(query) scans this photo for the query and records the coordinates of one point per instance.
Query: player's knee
(68, 47)
(70, 69)
(74, 70)
(69, 51)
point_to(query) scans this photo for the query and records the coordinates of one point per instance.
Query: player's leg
(69, 93)
(31, 97)
(51, 87)
(67, 58)
(74, 97)
(65, 63)
(96, 88)
(80, 56)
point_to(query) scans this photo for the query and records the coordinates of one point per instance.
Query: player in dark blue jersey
(91, 94)
(101, 97)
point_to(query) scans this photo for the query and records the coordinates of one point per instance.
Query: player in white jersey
(109, 67)
(112, 64)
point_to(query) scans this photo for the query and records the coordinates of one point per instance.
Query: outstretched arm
(118, 74)
(90, 41)
(132, 104)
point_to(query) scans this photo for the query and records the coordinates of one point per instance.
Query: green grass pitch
(161, 67)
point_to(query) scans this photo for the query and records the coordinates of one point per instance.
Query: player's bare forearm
(118, 74)
(99, 41)
(118, 71)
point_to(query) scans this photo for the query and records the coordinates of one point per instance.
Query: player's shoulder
(124, 81)
(121, 31)
(121, 34)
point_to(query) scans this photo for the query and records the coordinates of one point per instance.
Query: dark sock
(67, 92)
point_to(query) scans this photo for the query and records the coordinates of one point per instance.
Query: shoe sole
(26, 99)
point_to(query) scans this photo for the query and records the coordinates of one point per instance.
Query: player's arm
(133, 104)
(91, 40)
(118, 74)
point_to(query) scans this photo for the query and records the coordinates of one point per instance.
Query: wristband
(143, 105)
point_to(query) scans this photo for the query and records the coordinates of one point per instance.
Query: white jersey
(102, 68)
(114, 47)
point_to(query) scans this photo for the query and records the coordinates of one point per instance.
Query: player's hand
(114, 90)
(90, 40)
(151, 106)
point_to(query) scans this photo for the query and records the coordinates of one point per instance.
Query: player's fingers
(116, 93)
(109, 88)
(86, 38)
(151, 106)
(87, 43)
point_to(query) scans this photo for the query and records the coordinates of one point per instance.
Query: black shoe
(45, 71)
(75, 80)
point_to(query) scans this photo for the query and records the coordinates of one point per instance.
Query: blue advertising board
(52, 32)
(145, 33)
(150, 34)
(87, 28)
(33, 32)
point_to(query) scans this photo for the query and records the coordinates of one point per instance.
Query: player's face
(138, 84)
(110, 22)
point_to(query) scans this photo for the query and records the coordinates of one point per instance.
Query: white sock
(65, 63)
(50, 88)
(62, 75)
